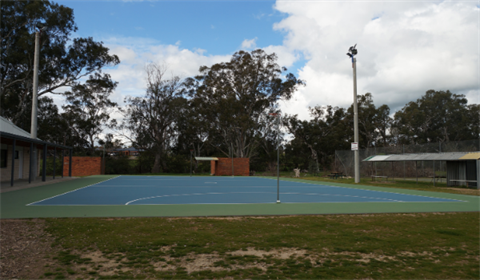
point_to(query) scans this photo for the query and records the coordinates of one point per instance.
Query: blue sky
(405, 47)
(218, 27)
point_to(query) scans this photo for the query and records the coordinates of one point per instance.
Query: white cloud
(405, 49)
(286, 57)
(130, 73)
(249, 44)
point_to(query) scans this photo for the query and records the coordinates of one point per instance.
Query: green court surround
(13, 204)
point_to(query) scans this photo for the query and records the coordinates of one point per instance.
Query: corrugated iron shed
(425, 156)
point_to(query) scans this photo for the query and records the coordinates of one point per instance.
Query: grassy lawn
(373, 246)
(387, 246)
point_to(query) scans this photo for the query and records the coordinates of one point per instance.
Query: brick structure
(241, 167)
(83, 166)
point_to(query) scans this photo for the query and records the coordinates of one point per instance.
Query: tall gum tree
(64, 62)
(153, 119)
(438, 116)
(234, 97)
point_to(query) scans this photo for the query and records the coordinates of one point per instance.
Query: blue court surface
(158, 190)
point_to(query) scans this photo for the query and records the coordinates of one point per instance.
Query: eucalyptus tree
(153, 119)
(438, 116)
(321, 135)
(474, 125)
(64, 61)
(232, 98)
(89, 110)
(374, 122)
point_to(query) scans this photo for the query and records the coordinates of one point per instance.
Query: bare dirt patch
(284, 253)
(25, 248)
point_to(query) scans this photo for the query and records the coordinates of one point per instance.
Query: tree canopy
(233, 98)
(153, 118)
(65, 62)
(71, 67)
(438, 116)
(224, 110)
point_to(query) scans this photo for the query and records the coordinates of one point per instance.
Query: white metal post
(33, 128)
(355, 121)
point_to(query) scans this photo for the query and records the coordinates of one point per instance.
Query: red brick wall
(241, 166)
(83, 166)
(212, 167)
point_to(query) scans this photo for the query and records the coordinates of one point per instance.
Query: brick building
(83, 166)
(225, 166)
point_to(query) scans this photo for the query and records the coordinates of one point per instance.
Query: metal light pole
(278, 159)
(351, 53)
(33, 128)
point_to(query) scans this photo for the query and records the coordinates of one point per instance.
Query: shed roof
(8, 127)
(9, 131)
(206, 158)
(426, 157)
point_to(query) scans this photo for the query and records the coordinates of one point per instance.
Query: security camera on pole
(352, 51)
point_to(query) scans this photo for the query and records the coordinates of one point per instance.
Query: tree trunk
(156, 165)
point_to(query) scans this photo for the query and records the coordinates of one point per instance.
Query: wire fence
(344, 160)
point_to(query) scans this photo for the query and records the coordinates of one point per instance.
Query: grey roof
(9, 127)
(131, 149)
(426, 156)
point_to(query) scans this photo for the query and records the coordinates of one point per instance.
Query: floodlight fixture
(352, 51)
(41, 27)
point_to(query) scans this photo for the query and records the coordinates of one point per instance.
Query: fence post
(393, 172)
(44, 171)
(54, 161)
(403, 152)
(335, 161)
(416, 170)
(13, 162)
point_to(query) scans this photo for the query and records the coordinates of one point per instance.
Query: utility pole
(33, 128)
(351, 53)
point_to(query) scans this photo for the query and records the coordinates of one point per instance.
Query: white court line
(374, 190)
(217, 193)
(199, 186)
(309, 185)
(30, 204)
(274, 202)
